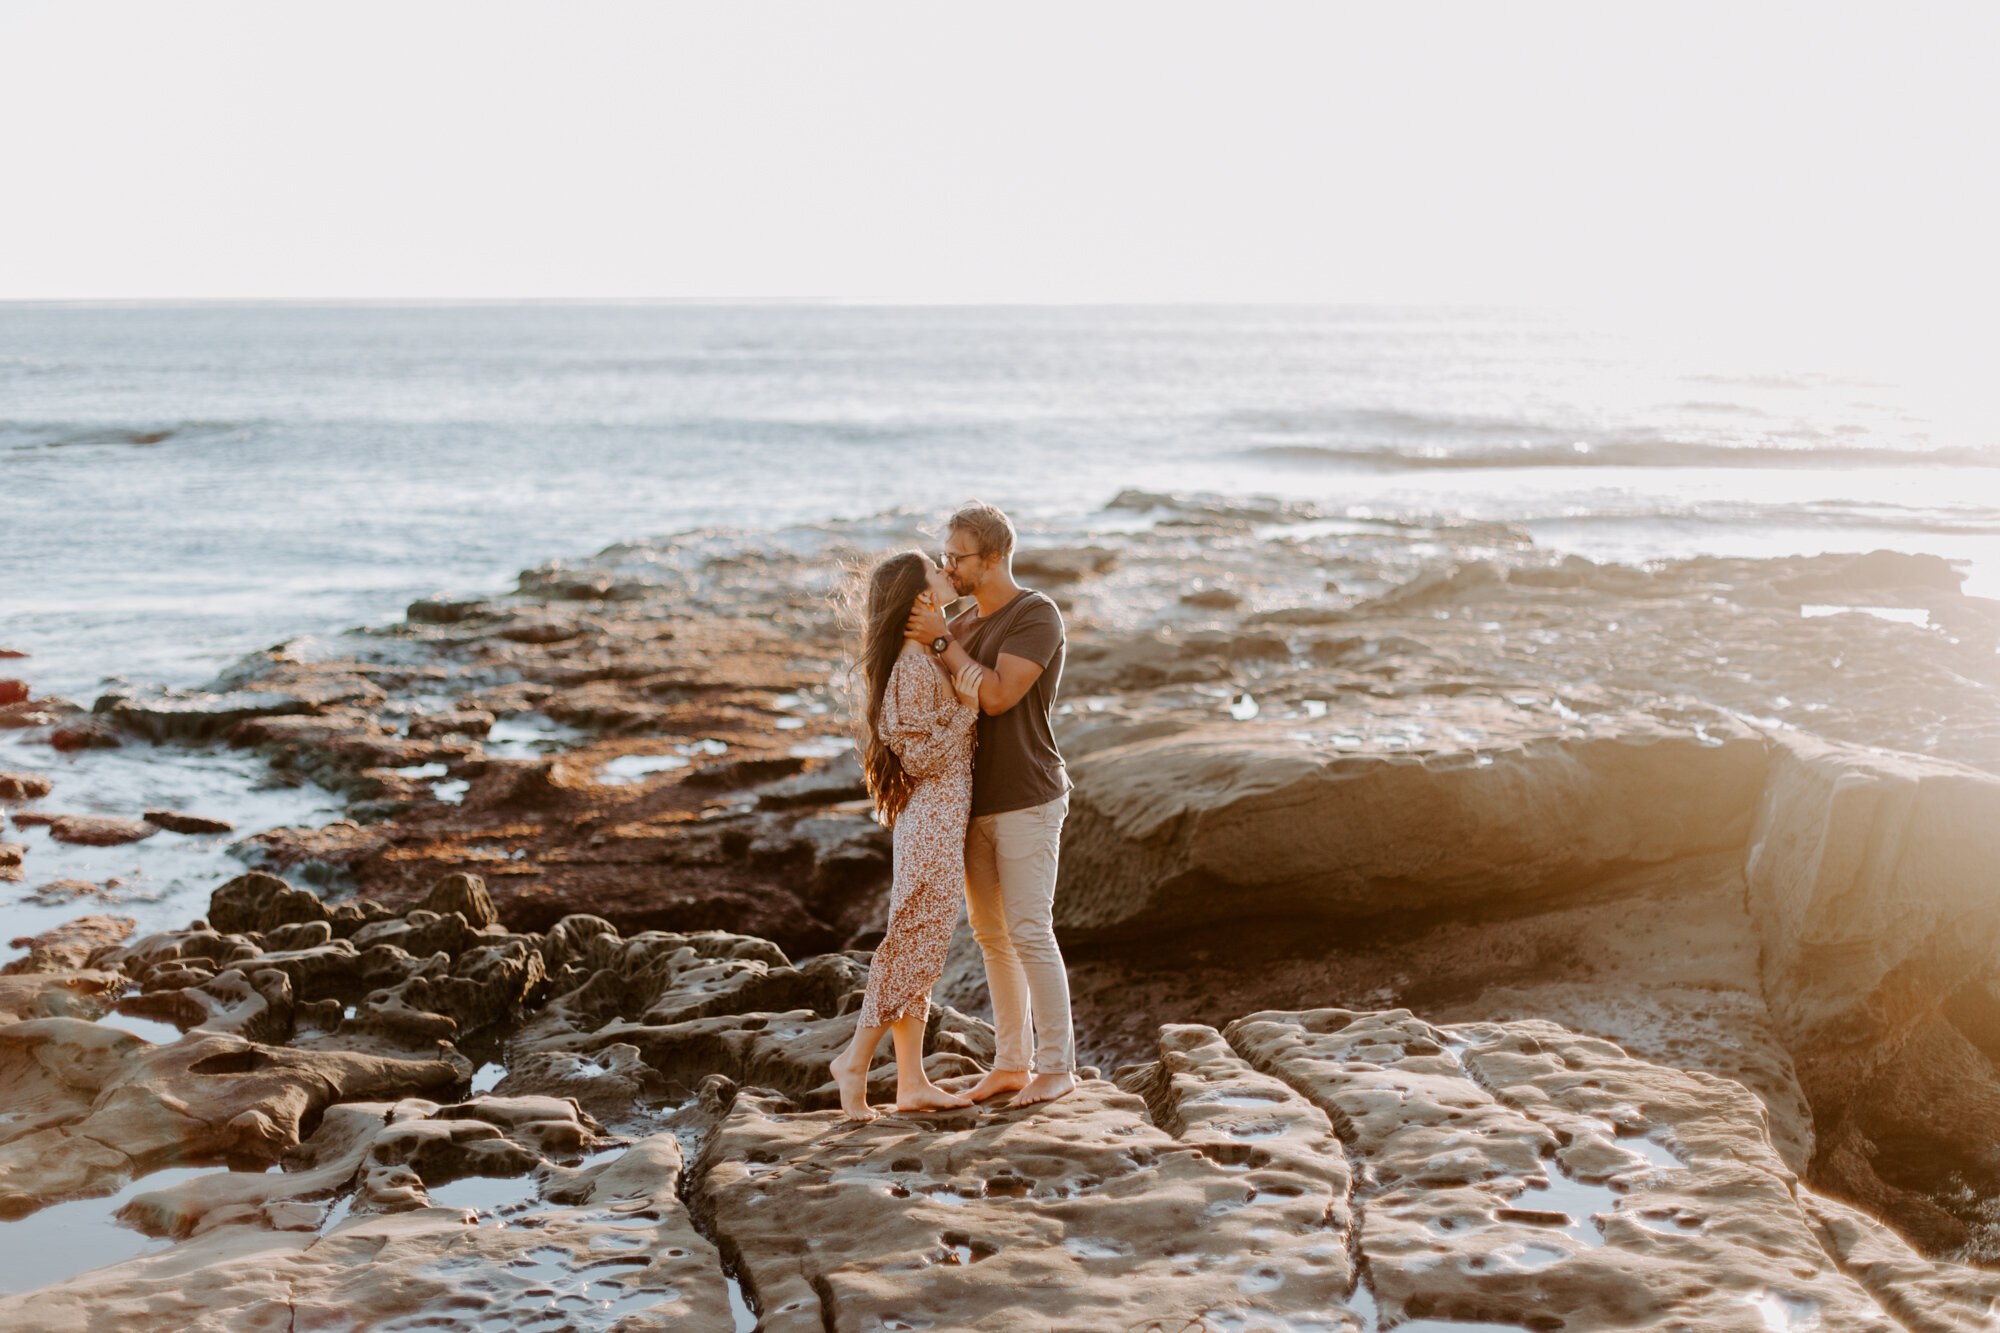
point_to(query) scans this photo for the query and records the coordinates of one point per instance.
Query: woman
(918, 762)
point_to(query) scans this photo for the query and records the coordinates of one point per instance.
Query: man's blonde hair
(988, 526)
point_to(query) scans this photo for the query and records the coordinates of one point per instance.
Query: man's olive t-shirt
(1017, 765)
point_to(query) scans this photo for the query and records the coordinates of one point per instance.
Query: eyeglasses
(948, 560)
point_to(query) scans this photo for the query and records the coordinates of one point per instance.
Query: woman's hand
(966, 685)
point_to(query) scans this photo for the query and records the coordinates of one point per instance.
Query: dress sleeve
(922, 721)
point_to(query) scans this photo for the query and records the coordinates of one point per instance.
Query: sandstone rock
(1521, 1174)
(732, 773)
(24, 787)
(68, 946)
(29, 993)
(13, 691)
(444, 609)
(541, 629)
(618, 1249)
(460, 722)
(1213, 599)
(465, 895)
(1876, 570)
(83, 734)
(174, 715)
(1226, 823)
(59, 892)
(1062, 564)
(174, 821)
(207, 1097)
(1870, 879)
(1077, 1215)
(258, 902)
(99, 831)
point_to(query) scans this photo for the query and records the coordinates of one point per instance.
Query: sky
(1818, 159)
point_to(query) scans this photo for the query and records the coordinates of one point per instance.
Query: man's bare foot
(930, 1097)
(1043, 1088)
(996, 1082)
(853, 1087)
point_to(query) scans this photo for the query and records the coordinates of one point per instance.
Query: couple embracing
(961, 760)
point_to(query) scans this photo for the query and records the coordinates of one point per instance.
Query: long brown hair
(893, 587)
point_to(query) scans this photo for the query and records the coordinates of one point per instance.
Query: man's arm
(1004, 685)
(1001, 686)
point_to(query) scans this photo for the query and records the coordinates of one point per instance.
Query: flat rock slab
(1524, 1175)
(1078, 1215)
(200, 715)
(99, 830)
(175, 821)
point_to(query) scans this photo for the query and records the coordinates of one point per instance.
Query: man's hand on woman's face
(924, 625)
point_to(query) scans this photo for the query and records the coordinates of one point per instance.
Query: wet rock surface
(1666, 995)
(1326, 1168)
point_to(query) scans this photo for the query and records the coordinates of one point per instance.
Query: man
(1009, 650)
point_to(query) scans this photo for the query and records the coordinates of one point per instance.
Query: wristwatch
(940, 643)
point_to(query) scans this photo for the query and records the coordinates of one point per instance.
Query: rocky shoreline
(1418, 883)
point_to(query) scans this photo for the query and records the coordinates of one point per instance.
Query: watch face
(940, 643)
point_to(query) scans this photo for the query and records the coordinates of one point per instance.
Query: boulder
(444, 609)
(1870, 878)
(13, 691)
(84, 734)
(1223, 823)
(24, 787)
(260, 902)
(465, 895)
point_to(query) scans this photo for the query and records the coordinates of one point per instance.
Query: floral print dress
(931, 732)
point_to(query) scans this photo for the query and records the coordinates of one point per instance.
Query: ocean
(180, 484)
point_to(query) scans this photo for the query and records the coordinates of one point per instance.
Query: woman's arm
(921, 721)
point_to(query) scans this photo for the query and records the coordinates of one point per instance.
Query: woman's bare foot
(1043, 1088)
(853, 1085)
(930, 1097)
(996, 1082)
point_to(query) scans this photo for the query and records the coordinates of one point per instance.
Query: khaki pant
(1010, 892)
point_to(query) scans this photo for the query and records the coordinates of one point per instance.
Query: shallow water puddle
(1784, 1313)
(1902, 615)
(629, 768)
(65, 1239)
(161, 881)
(160, 1034)
(530, 736)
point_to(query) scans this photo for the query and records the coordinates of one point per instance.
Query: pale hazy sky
(1823, 155)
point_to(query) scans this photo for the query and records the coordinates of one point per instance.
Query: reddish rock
(34, 819)
(99, 830)
(175, 821)
(69, 945)
(24, 787)
(61, 892)
(464, 722)
(11, 652)
(86, 734)
(13, 691)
